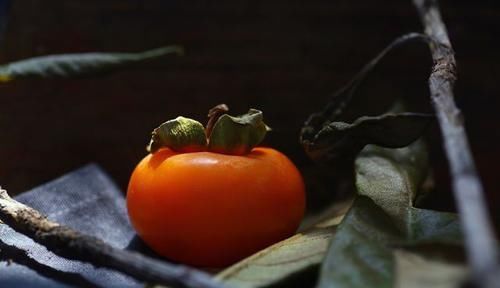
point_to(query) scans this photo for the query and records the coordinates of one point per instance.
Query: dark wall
(284, 57)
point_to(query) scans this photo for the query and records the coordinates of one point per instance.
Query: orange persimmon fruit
(210, 209)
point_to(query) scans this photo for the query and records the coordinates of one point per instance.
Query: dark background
(283, 57)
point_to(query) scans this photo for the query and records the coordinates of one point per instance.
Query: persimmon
(213, 204)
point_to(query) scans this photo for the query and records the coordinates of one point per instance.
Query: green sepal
(180, 134)
(238, 135)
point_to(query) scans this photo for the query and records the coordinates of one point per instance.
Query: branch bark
(480, 241)
(71, 244)
(12, 253)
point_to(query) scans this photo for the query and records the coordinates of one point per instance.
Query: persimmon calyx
(229, 135)
(180, 134)
(238, 135)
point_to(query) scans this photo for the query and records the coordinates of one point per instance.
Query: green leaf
(362, 252)
(238, 135)
(383, 232)
(392, 177)
(414, 271)
(340, 139)
(72, 65)
(180, 134)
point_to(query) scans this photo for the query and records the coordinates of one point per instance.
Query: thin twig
(480, 241)
(71, 244)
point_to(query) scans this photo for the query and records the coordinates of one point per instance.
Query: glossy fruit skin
(209, 209)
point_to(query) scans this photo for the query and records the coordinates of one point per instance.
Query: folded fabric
(86, 200)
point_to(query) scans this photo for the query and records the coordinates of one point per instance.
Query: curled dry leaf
(325, 139)
(339, 139)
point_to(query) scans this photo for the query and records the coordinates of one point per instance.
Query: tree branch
(71, 244)
(12, 253)
(480, 241)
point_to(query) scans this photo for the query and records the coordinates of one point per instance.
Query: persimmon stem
(213, 116)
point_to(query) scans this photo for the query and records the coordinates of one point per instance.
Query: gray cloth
(86, 200)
